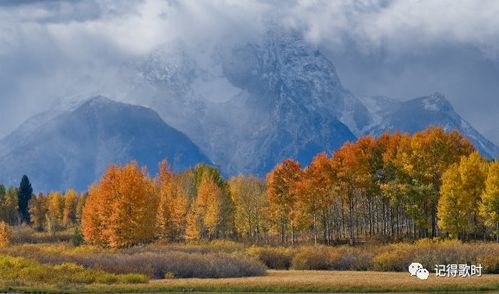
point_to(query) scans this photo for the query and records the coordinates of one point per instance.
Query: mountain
(417, 114)
(74, 147)
(246, 105)
(250, 105)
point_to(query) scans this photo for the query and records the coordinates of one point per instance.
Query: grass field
(289, 281)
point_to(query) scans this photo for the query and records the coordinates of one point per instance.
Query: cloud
(50, 49)
(400, 25)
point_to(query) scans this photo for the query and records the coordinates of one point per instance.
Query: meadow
(228, 266)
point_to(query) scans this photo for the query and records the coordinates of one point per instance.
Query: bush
(25, 234)
(397, 257)
(312, 258)
(26, 270)
(273, 258)
(394, 257)
(490, 263)
(152, 264)
(352, 258)
(77, 238)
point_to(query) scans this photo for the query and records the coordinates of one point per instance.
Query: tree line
(50, 212)
(390, 188)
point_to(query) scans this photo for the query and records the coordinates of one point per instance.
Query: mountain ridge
(73, 149)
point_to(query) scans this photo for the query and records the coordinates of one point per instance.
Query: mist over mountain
(243, 106)
(416, 114)
(72, 149)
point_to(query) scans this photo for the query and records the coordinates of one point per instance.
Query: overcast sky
(402, 48)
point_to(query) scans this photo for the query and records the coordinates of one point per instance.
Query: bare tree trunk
(350, 216)
(315, 230)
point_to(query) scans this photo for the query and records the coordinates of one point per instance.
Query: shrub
(394, 257)
(152, 264)
(490, 263)
(5, 234)
(25, 234)
(352, 258)
(312, 258)
(26, 270)
(274, 258)
(77, 238)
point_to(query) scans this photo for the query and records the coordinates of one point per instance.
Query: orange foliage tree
(281, 191)
(315, 191)
(173, 205)
(120, 210)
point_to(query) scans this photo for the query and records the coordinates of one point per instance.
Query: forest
(392, 188)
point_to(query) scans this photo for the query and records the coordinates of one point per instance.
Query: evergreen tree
(24, 196)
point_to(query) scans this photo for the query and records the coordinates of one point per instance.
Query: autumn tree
(202, 172)
(315, 191)
(460, 195)
(206, 215)
(250, 199)
(55, 211)
(351, 174)
(489, 208)
(172, 207)
(281, 191)
(38, 211)
(69, 208)
(9, 212)
(79, 207)
(120, 210)
(432, 151)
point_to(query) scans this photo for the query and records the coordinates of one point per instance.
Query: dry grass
(307, 281)
(335, 280)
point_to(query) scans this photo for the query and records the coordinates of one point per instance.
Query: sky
(401, 48)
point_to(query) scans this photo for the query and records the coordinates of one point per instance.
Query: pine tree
(24, 196)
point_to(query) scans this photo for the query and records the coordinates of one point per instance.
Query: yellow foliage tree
(209, 206)
(38, 211)
(460, 195)
(172, 207)
(250, 200)
(9, 207)
(489, 208)
(432, 151)
(69, 210)
(55, 211)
